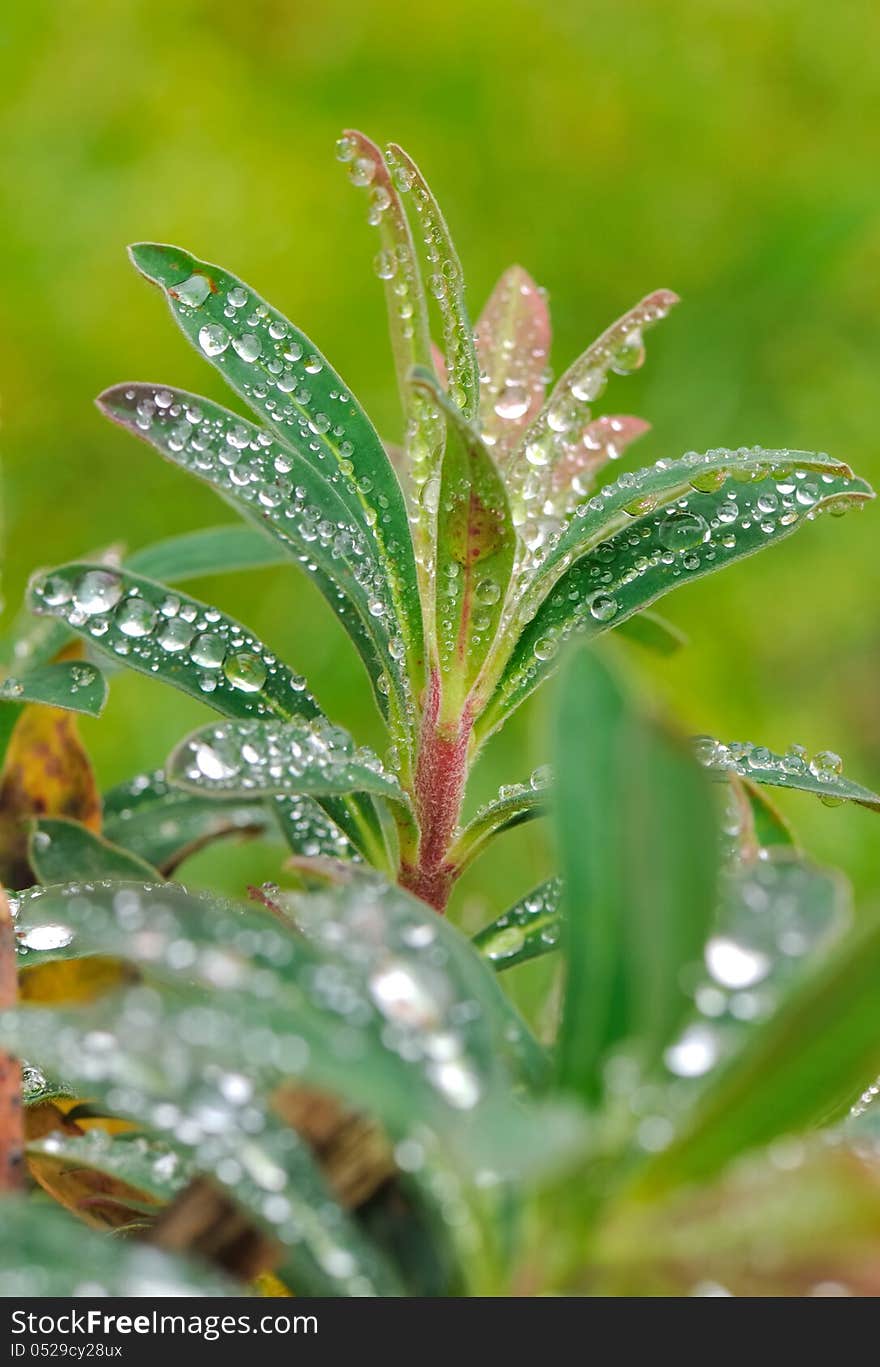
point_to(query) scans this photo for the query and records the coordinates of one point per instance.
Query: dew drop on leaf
(682, 531)
(245, 671)
(193, 292)
(213, 339)
(97, 591)
(208, 651)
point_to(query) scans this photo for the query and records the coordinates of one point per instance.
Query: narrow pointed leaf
(267, 759)
(822, 775)
(174, 638)
(293, 499)
(476, 546)
(446, 284)
(61, 850)
(210, 550)
(277, 370)
(763, 487)
(70, 684)
(628, 570)
(398, 268)
(513, 344)
(164, 826)
(527, 930)
(559, 426)
(515, 804)
(627, 794)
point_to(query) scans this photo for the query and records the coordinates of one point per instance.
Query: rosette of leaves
(459, 558)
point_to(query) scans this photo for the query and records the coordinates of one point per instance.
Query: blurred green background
(724, 148)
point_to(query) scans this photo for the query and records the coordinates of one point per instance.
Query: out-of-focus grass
(727, 150)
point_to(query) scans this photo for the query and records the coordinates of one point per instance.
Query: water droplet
(385, 265)
(735, 965)
(487, 592)
(46, 937)
(213, 339)
(603, 607)
(175, 636)
(193, 292)
(97, 591)
(512, 402)
(245, 671)
(248, 346)
(135, 617)
(208, 651)
(694, 1053)
(682, 531)
(212, 764)
(826, 764)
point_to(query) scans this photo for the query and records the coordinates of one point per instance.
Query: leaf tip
(162, 264)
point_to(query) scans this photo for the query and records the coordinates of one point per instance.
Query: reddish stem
(11, 1114)
(441, 771)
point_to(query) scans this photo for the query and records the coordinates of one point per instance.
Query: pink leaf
(513, 342)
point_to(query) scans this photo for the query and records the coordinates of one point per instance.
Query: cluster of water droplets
(666, 544)
(513, 360)
(273, 757)
(286, 488)
(161, 632)
(531, 927)
(796, 768)
(774, 914)
(564, 438)
(445, 285)
(397, 267)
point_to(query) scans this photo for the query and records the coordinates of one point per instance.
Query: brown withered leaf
(46, 772)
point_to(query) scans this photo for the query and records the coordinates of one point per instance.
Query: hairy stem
(441, 772)
(11, 1114)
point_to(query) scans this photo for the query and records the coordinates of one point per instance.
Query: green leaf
(527, 930)
(638, 854)
(301, 506)
(820, 775)
(72, 685)
(476, 546)
(174, 638)
(279, 373)
(639, 555)
(210, 550)
(61, 850)
(653, 632)
(267, 759)
(446, 283)
(513, 344)
(514, 804)
(806, 1065)
(164, 826)
(398, 268)
(46, 1252)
